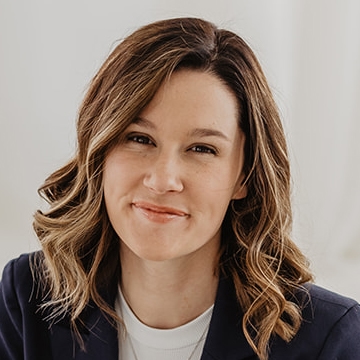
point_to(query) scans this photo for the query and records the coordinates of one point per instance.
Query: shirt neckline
(176, 338)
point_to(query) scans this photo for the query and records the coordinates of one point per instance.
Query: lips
(157, 213)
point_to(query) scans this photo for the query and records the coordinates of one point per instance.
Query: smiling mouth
(159, 214)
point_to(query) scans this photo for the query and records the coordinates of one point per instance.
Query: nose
(164, 175)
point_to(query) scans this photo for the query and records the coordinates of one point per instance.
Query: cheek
(109, 177)
(113, 185)
(214, 192)
(219, 182)
(117, 172)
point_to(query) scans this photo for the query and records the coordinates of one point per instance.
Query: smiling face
(169, 180)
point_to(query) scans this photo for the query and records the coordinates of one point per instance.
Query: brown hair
(80, 247)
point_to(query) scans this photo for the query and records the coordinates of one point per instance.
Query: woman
(168, 233)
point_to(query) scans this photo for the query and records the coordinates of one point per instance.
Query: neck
(167, 294)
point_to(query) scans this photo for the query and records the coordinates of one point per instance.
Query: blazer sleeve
(26, 335)
(11, 337)
(343, 340)
(23, 333)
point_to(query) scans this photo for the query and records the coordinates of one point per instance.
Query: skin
(167, 186)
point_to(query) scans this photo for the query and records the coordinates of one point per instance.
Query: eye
(203, 149)
(140, 139)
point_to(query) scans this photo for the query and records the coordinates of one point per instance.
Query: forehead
(193, 97)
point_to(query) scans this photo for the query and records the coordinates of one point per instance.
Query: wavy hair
(80, 247)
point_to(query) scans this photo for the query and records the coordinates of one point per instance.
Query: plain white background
(310, 52)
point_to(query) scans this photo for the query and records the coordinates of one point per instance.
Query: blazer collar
(226, 339)
(99, 336)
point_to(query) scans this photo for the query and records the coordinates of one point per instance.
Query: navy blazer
(330, 329)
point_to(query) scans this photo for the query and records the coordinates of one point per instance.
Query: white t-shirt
(141, 342)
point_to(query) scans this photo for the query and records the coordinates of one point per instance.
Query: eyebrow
(197, 132)
(143, 122)
(205, 132)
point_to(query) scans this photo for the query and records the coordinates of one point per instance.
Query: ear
(240, 193)
(240, 190)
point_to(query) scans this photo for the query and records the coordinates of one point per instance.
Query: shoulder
(330, 327)
(325, 304)
(20, 263)
(18, 273)
(328, 309)
(19, 304)
(329, 298)
(21, 287)
(18, 283)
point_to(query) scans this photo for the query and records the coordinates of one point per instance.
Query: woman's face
(168, 184)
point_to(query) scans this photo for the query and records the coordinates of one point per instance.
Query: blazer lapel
(102, 341)
(226, 339)
(99, 336)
